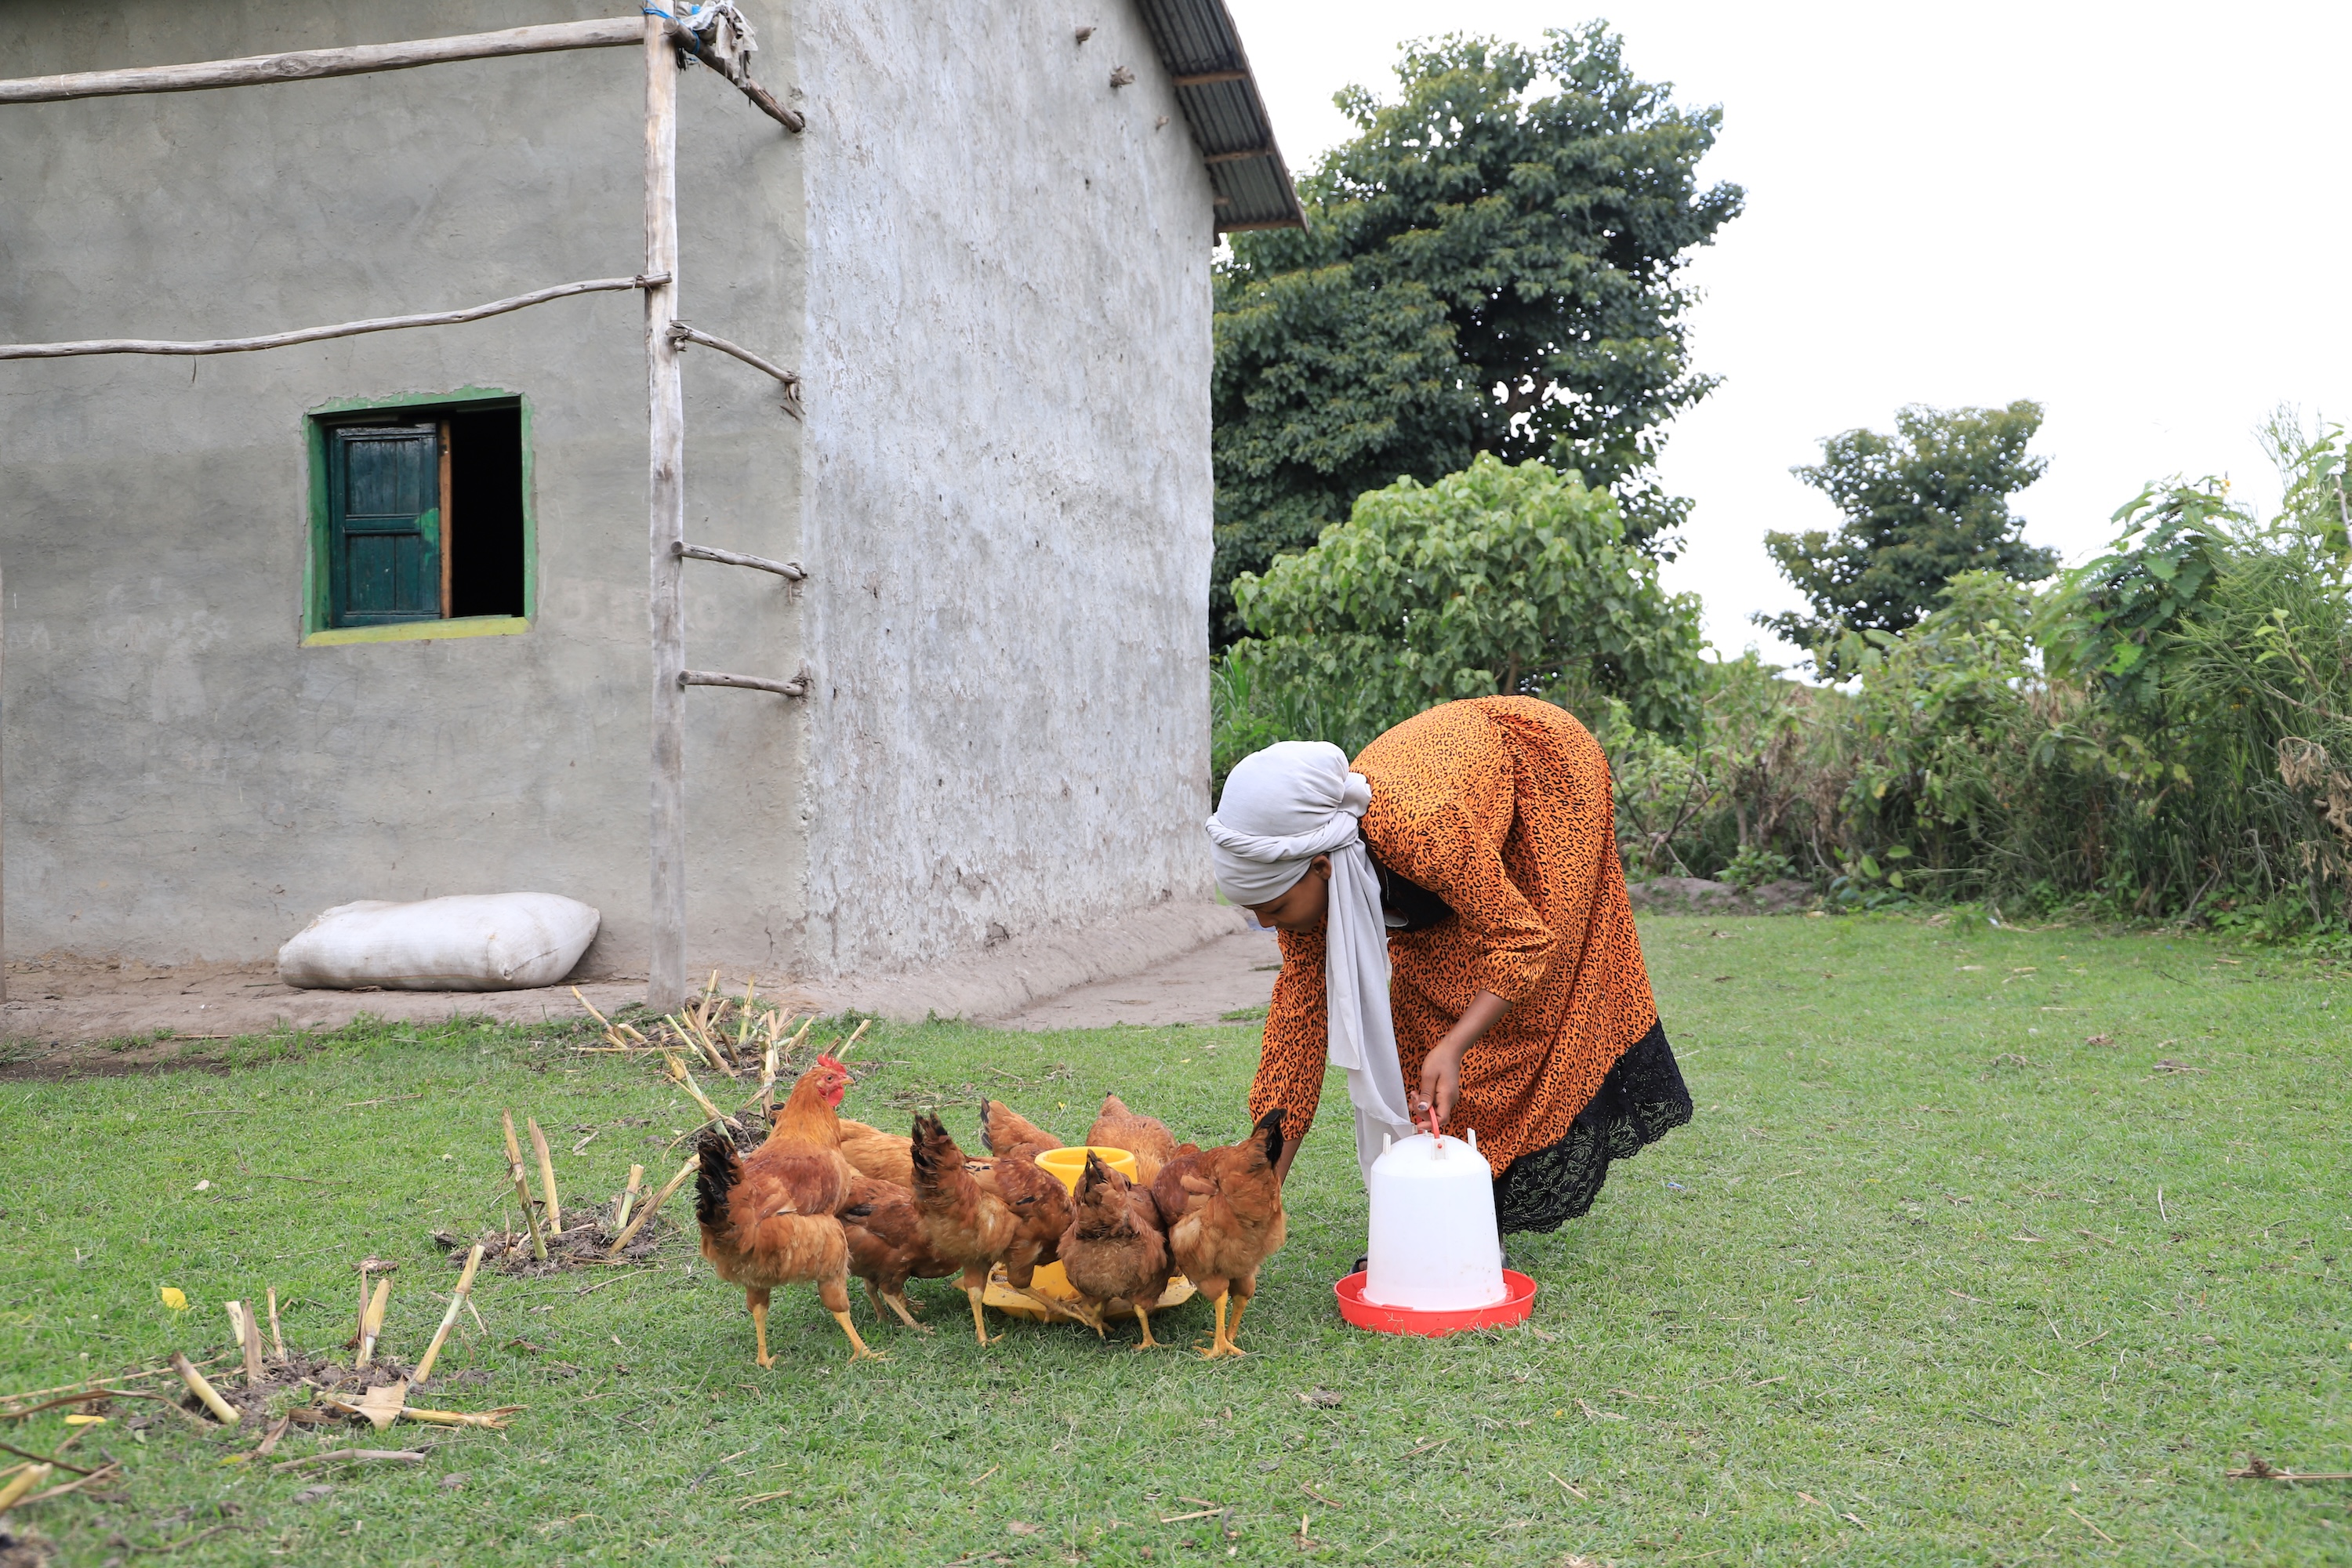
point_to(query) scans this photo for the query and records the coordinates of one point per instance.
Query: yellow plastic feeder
(1068, 1165)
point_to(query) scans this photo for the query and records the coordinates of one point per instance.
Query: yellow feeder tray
(1068, 1165)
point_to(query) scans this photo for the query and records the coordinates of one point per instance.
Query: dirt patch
(140, 1016)
(22, 1552)
(583, 1244)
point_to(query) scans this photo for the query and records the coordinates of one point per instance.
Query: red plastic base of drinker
(1519, 1301)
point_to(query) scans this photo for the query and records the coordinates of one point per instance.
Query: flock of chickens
(826, 1197)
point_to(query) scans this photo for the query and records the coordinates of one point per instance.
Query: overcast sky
(2133, 216)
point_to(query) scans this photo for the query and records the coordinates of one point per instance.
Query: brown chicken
(879, 1154)
(886, 1247)
(769, 1216)
(1011, 1212)
(1223, 1211)
(1145, 1137)
(1007, 1132)
(1115, 1247)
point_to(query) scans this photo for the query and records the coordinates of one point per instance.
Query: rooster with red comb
(770, 1217)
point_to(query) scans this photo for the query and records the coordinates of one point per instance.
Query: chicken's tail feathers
(1269, 1127)
(933, 1154)
(721, 1169)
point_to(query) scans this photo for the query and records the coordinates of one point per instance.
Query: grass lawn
(1903, 1292)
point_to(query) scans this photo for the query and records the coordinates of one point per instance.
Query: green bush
(2164, 733)
(1499, 579)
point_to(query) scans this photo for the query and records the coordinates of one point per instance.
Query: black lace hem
(1643, 1099)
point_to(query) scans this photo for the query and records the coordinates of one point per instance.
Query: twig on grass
(340, 1456)
(41, 1458)
(2257, 1470)
(523, 1189)
(26, 1481)
(188, 1540)
(106, 1472)
(449, 1318)
(654, 1207)
(388, 1099)
(204, 1390)
(1332, 1503)
(629, 1197)
(2094, 1529)
(546, 1177)
(1569, 1489)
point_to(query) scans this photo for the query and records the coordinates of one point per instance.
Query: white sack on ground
(471, 941)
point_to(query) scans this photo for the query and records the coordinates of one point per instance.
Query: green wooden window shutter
(383, 521)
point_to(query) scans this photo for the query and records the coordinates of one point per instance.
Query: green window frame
(380, 566)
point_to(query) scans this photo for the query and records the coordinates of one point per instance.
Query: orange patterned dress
(1501, 808)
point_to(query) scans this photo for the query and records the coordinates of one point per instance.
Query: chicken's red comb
(824, 1062)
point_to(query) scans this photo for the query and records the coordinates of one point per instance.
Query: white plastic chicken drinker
(1435, 1245)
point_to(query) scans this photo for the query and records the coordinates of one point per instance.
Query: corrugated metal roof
(1198, 43)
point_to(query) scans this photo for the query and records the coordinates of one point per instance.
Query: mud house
(370, 616)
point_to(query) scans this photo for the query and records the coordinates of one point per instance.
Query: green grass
(1908, 1261)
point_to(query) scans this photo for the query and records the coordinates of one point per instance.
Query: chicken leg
(758, 1299)
(1241, 1305)
(1145, 1319)
(834, 1294)
(858, 1350)
(979, 1323)
(1221, 1346)
(899, 1304)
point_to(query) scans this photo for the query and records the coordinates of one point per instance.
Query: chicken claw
(899, 1304)
(1221, 1345)
(858, 1350)
(1051, 1306)
(1149, 1344)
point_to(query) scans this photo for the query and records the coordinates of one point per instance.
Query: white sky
(2131, 214)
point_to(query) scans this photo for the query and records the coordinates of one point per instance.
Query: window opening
(424, 518)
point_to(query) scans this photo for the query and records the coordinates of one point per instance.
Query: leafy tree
(1491, 265)
(1496, 580)
(1921, 506)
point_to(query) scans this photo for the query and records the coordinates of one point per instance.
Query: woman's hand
(1441, 1070)
(1441, 1079)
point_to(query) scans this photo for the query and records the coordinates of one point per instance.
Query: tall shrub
(1499, 579)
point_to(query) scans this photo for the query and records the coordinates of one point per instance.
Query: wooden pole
(305, 65)
(666, 521)
(319, 334)
(4, 833)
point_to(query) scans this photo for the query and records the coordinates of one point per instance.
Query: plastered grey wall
(1009, 494)
(183, 779)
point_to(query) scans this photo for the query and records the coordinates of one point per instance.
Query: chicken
(886, 1247)
(1145, 1137)
(769, 1216)
(879, 1154)
(1223, 1211)
(1115, 1247)
(1012, 1213)
(1008, 1132)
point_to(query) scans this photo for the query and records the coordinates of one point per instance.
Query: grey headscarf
(1282, 807)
